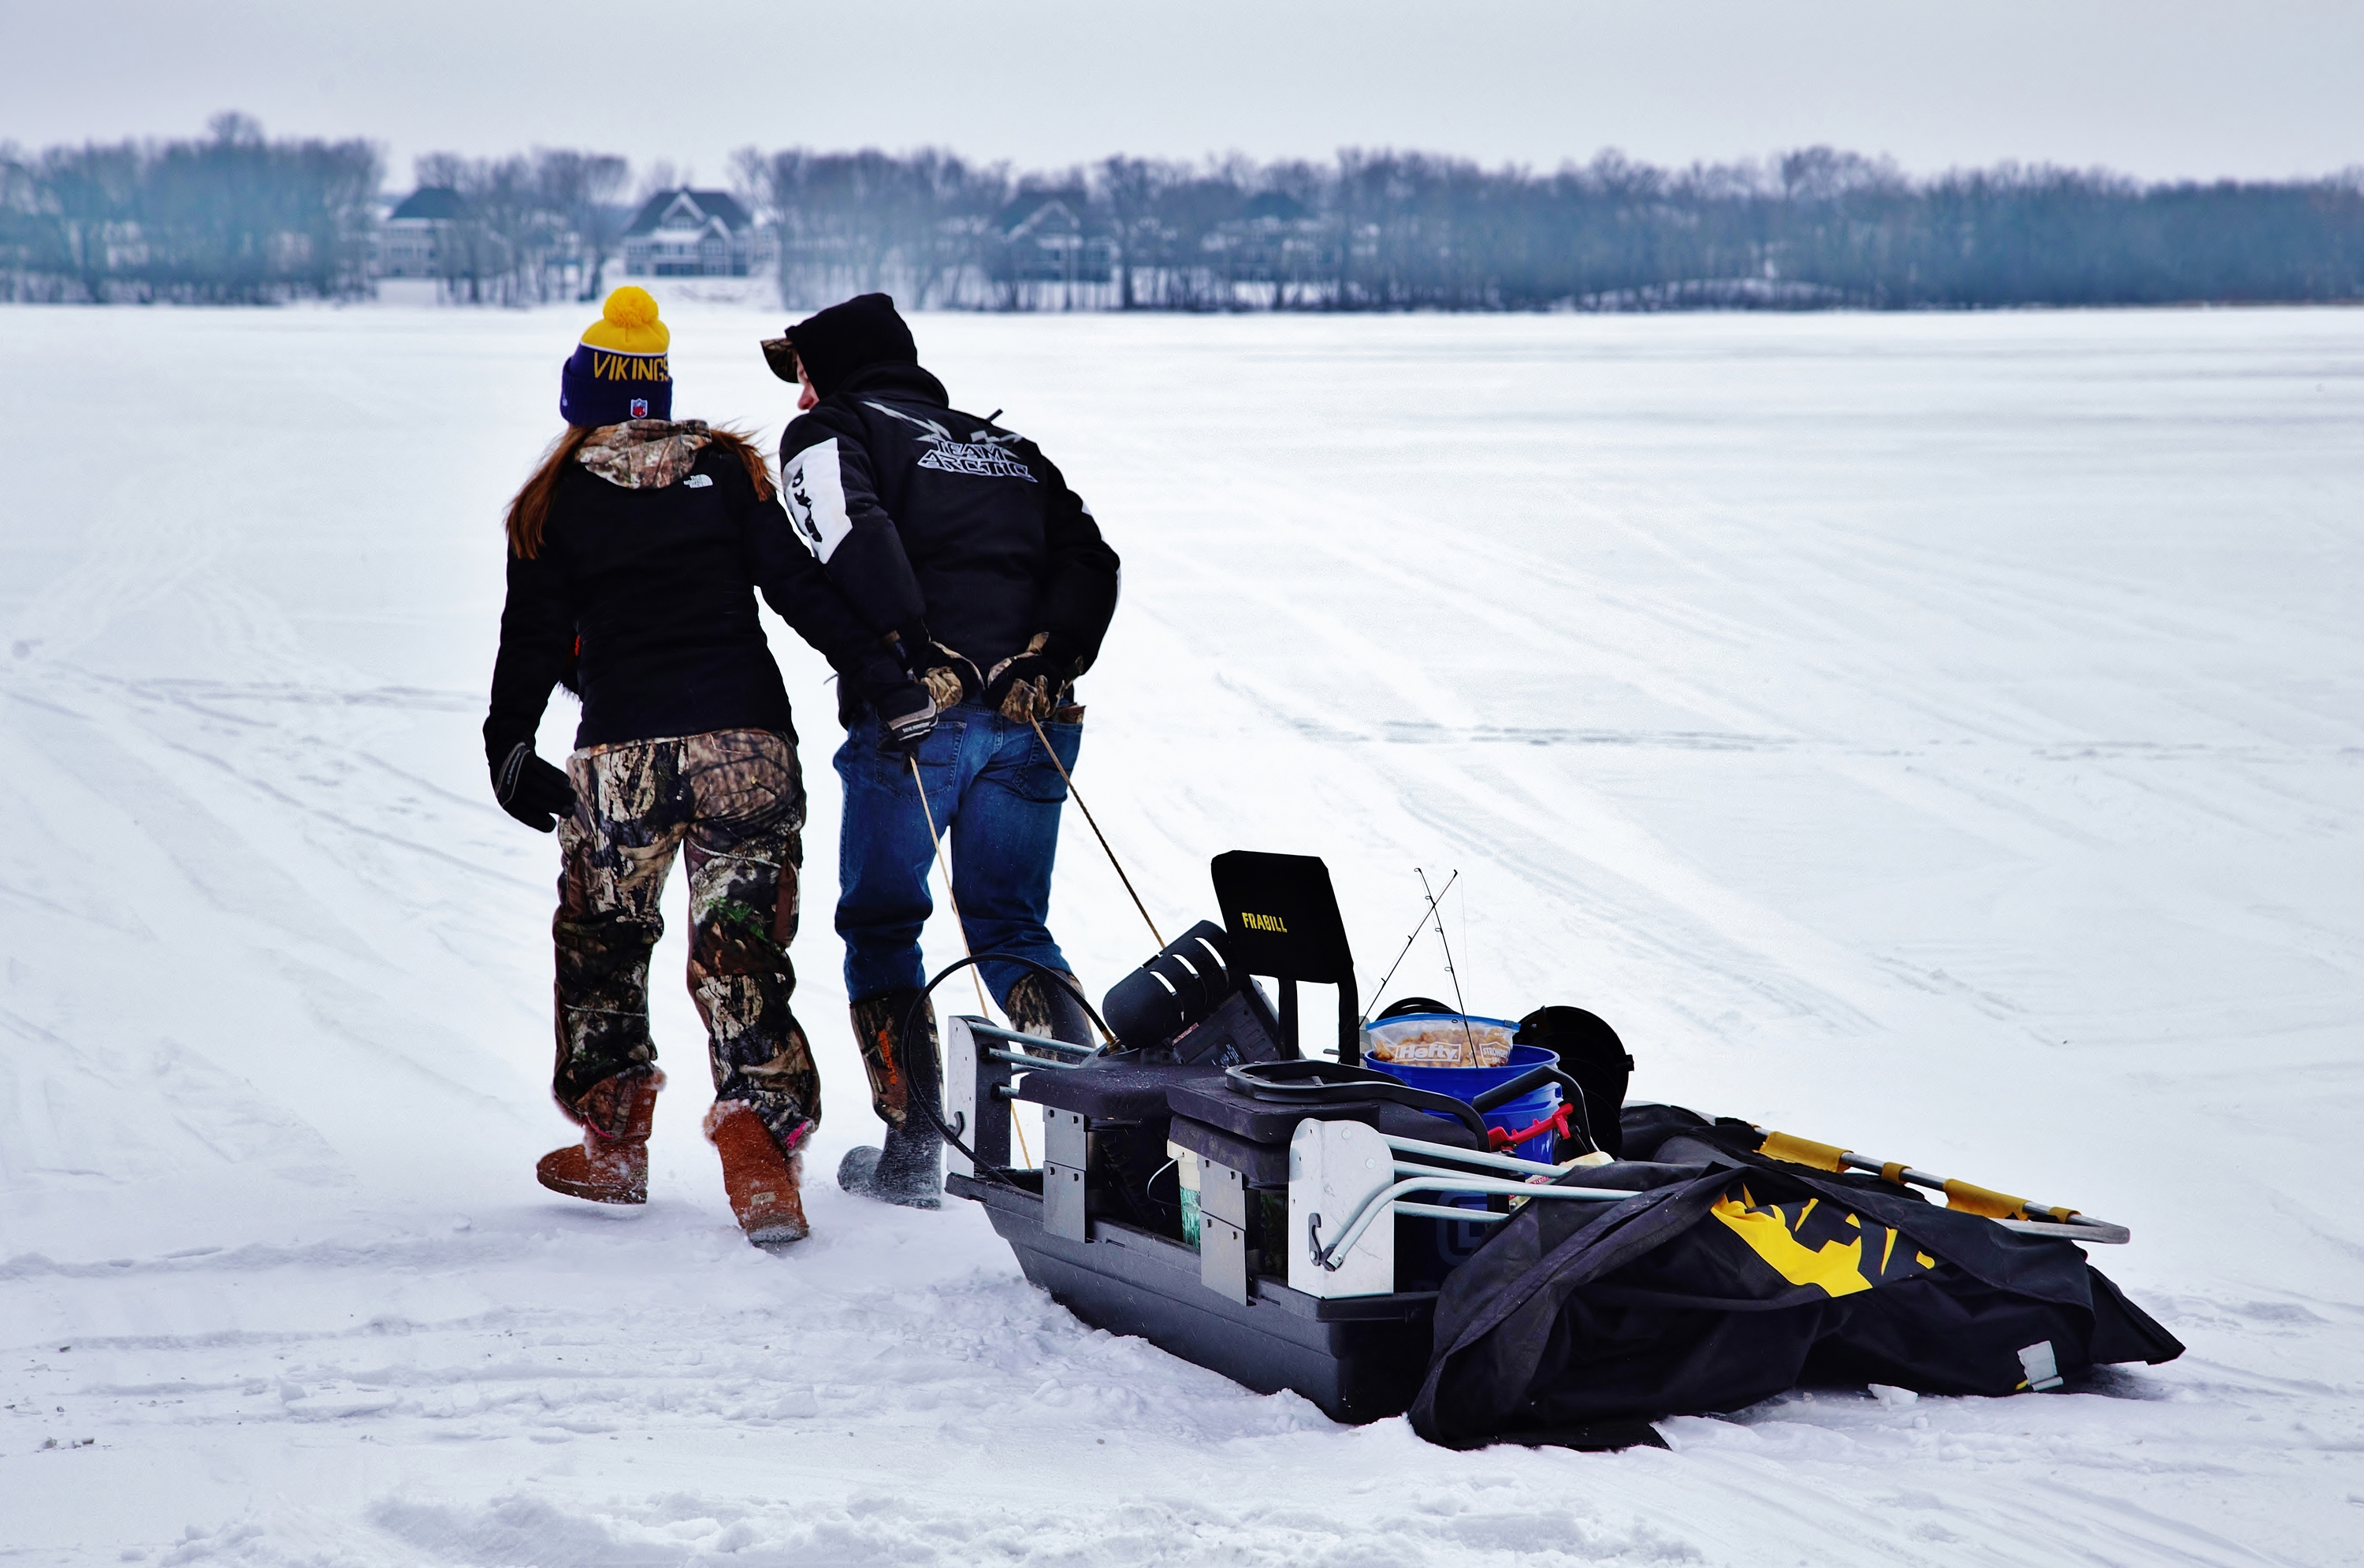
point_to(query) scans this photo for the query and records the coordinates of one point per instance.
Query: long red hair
(529, 511)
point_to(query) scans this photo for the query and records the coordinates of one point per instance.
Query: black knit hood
(865, 330)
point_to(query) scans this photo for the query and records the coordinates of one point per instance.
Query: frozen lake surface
(1939, 734)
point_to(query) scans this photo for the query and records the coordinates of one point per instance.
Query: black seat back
(1280, 918)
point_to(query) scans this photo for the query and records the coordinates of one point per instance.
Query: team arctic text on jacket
(941, 526)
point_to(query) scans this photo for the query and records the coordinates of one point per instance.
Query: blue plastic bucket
(1468, 1083)
(1427, 1250)
(1524, 1112)
(1514, 1116)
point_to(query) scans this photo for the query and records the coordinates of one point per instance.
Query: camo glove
(1030, 687)
(949, 677)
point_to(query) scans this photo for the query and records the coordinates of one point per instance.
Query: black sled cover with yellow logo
(1729, 1278)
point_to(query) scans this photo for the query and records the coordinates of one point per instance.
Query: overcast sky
(2168, 88)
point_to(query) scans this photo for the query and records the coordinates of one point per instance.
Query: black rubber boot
(1039, 1005)
(910, 1169)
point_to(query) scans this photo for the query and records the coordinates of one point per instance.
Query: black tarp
(1730, 1277)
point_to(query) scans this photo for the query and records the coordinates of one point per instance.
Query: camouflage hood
(645, 455)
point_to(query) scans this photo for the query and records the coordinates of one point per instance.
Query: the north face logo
(640, 408)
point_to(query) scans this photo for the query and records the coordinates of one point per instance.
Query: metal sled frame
(1337, 1330)
(1359, 1358)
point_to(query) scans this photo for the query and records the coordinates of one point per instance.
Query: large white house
(409, 244)
(696, 234)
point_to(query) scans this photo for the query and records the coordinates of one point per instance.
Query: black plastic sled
(1316, 1224)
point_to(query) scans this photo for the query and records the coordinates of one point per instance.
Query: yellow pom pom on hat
(620, 370)
(628, 323)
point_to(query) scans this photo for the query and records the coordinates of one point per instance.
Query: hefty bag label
(1433, 1041)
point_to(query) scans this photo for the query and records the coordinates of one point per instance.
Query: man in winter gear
(635, 552)
(959, 542)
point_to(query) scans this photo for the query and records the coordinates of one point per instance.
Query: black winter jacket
(927, 517)
(656, 583)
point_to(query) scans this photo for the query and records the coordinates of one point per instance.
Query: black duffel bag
(1731, 1277)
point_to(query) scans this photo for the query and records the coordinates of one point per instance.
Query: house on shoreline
(409, 244)
(687, 233)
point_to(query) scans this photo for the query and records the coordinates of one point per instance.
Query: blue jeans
(995, 791)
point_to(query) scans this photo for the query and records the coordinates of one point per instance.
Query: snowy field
(1943, 735)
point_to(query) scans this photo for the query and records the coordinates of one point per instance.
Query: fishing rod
(1382, 988)
(1467, 1039)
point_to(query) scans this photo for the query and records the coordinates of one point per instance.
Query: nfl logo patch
(640, 408)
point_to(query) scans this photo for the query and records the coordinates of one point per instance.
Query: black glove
(530, 789)
(1030, 685)
(906, 717)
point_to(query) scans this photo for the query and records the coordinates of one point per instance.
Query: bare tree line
(528, 228)
(1378, 231)
(235, 218)
(229, 219)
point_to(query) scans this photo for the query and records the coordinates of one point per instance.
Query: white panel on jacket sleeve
(816, 497)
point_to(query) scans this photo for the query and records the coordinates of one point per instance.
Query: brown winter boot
(608, 1167)
(763, 1183)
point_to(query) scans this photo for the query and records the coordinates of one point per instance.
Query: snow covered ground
(1939, 734)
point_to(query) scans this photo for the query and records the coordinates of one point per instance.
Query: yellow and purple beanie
(619, 371)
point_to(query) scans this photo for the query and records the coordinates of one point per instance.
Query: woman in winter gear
(960, 542)
(635, 552)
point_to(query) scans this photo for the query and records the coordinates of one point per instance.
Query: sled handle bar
(1333, 1256)
(2033, 1218)
(2095, 1233)
(2006, 1210)
(1510, 1162)
(1034, 1042)
(1446, 1211)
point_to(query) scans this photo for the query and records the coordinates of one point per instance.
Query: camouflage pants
(735, 801)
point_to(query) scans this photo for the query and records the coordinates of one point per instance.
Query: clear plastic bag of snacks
(1440, 1039)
